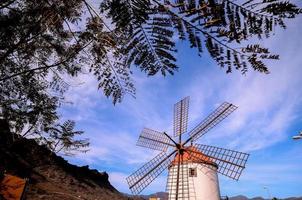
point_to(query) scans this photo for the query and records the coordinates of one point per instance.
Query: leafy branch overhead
(149, 45)
(45, 43)
(47, 34)
(216, 25)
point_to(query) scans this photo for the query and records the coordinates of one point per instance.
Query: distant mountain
(257, 198)
(239, 197)
(161, 195)
(293, 198)
(164, 196)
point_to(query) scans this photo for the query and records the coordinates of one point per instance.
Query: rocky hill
(50, 177)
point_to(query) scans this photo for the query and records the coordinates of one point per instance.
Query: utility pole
(268, 192)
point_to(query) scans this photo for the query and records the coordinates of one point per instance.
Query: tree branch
(28, 131)
(13, 48)
(248, 10)
(199, 29)
(147, 38)
(42, 68)
(6, 4)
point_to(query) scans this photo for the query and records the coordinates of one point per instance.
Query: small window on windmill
(192, 172)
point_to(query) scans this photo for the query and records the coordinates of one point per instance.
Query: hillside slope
(50, 176)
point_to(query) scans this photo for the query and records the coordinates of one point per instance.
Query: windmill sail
(230, 163)
(181, 110)
(153, 140)
(141, 178)
(212, 120)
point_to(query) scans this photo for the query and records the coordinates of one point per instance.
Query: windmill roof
(192, 155)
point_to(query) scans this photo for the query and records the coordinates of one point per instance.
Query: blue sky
(268, 115)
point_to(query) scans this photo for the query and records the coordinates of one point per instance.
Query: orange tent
(12, 187)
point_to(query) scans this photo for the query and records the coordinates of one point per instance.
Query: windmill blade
(181, 110)
(212, 120)
(153, 140)
(230, 163)
(141, 178)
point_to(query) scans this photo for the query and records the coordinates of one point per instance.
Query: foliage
(61, 138)
(215, 25)
(35, 51)
(43, 42)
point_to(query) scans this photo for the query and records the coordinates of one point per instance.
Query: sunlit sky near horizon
(268, 115)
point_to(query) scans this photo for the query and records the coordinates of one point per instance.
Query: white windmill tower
(192, 168)
(198, 178)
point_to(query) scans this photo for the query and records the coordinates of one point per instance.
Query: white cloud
(115, 149)
(82, 98)
(267, 104)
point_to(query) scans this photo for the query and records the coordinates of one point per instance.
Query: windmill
(192, 167)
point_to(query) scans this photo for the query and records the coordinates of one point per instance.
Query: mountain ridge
(164, 196)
